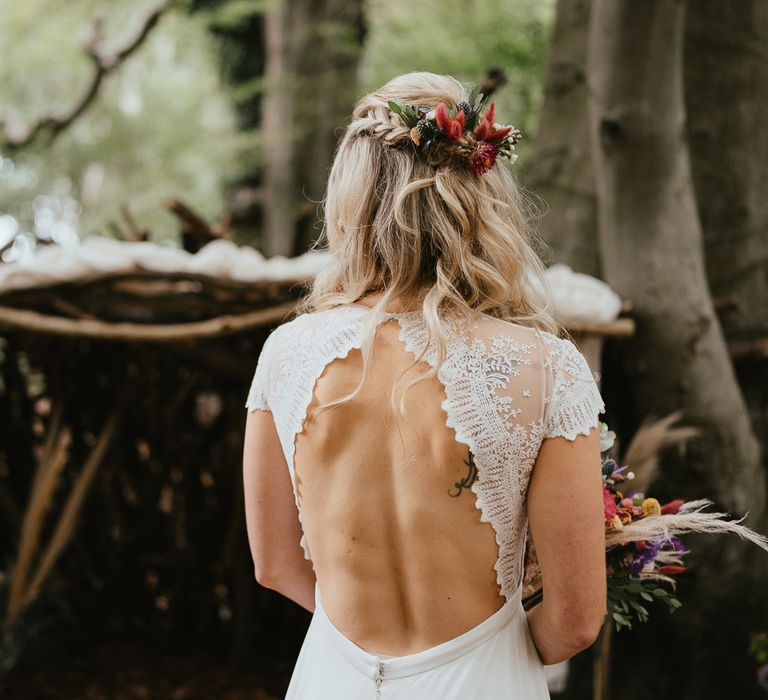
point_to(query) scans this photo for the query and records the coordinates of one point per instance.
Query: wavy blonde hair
(432, 236)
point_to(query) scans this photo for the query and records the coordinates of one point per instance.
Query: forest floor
(122, 671)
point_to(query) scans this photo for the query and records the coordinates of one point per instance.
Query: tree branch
(227, 324)
(50, 126)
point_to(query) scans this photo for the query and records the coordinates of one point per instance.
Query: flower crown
(460, 134)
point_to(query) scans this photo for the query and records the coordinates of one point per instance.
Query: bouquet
(644, 554)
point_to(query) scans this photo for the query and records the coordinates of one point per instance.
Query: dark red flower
(451, 127)
(498, 134)
(485, 125)
(672, 569)
(483, 158)
(672, 507)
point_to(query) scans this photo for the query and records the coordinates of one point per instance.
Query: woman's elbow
(267, 570)
(273, 572)
(581, 623)
(586, 633)
(585, 626)
(265, 577)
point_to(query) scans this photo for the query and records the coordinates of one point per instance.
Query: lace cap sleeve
(258, 395)
(574, 400)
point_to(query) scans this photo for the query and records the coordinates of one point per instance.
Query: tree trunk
(652, 252)
(559, 168)
(312, 54)
(726, 92)
(339, 33)
(282, 24)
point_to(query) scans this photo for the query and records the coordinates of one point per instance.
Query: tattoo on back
(468, 480)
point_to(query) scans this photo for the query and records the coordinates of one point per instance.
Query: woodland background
(179, 122)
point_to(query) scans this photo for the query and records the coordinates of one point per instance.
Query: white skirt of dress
(494, 660)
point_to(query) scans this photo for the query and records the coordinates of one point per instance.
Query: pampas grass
(642, 454)
(26, 582)
(689, 518)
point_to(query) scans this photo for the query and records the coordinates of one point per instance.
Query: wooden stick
(35, 322)
(744, 349)
(602, 662)
(618, 328)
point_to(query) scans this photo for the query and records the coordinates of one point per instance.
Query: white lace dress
(507, 388)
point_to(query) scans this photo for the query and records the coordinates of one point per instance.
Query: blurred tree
(237, 29)
(652, 253)
(292, 71)
(313, 50)
(726, 91)
(559, 167)
(105, 60)
(134, 146)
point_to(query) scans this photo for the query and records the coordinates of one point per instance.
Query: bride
(418, 416)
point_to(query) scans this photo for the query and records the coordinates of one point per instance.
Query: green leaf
(646, 596)
(473, 95)
(411, 116)
(396, 108)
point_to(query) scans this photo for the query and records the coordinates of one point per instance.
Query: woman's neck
(370, 300)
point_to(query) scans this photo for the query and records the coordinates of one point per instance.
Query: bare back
(416, 526)
(400, 554)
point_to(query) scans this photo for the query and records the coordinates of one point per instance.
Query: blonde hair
(433, 236)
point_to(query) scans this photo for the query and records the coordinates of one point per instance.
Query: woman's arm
(272, 519)
(567, 525)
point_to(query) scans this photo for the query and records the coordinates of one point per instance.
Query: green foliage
(626, 595)
(758, 647)
(464, 39)
(165, 124)
(162, 125)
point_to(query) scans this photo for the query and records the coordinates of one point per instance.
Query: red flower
(609, 504)
(498, 134)
(485, 125)
(451, 127)
(672, 507)
(672, 569)
(483, 158)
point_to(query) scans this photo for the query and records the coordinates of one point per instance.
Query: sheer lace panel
(572, 397)
(507, 388)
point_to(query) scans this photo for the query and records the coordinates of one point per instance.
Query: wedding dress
(507, 387)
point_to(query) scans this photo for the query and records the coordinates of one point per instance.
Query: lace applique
(504, 450)
(574, 402)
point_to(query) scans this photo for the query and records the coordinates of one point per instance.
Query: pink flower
(610, 504)
(483, 158)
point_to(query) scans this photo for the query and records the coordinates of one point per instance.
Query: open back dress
(360, 473)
